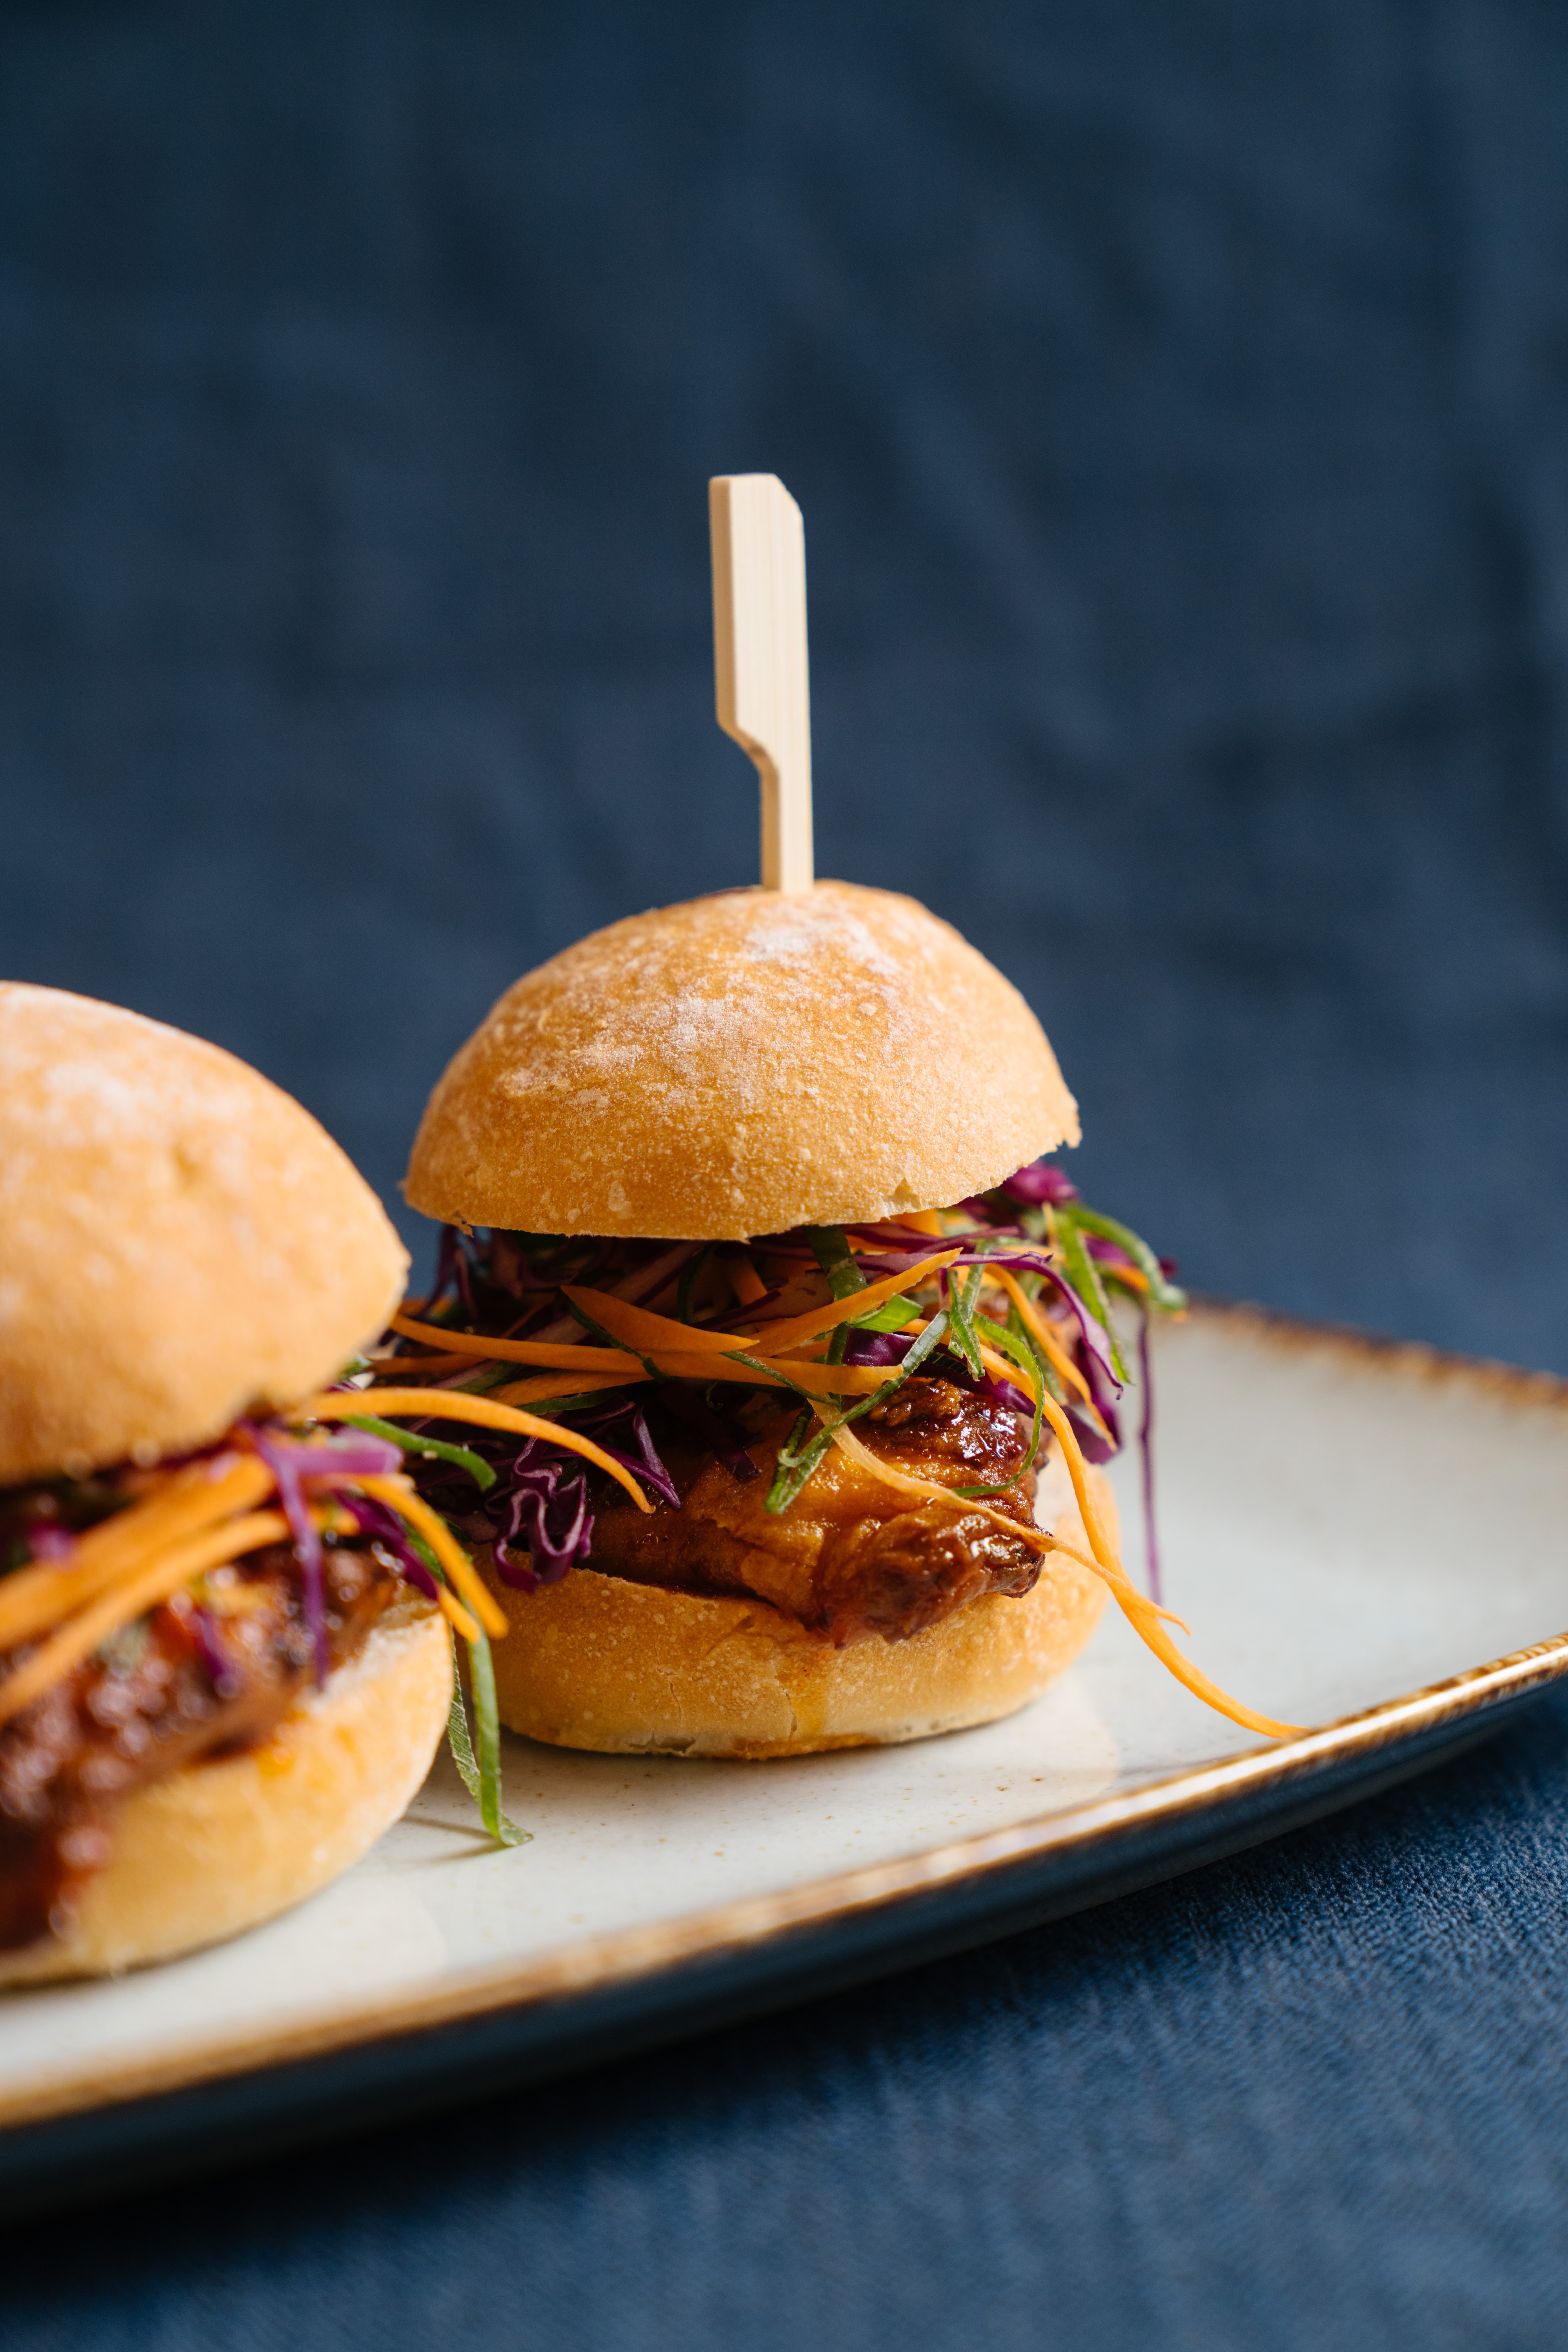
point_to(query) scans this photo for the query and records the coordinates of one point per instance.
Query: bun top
(179, 1240)
(738, 1066)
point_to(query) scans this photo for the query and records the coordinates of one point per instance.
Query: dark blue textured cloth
(1311, 2097)
(1178, 401)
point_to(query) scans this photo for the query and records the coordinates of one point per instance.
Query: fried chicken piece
(851, 1556)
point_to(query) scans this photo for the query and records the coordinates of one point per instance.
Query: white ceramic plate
(1366, 1538)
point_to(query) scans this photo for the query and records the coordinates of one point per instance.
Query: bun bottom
(632, 1669)
(221, 1847)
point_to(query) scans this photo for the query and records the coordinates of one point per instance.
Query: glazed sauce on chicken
(851, 1558)
(179, 1687)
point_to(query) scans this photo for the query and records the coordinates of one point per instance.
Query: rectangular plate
(1362, 1536)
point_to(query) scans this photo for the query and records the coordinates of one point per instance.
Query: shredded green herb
(837, 1259)
(1164, 1294)
(1019, 1353)
(458, 1739)
(962, 1295)
(891, 1315)
(1083, 1277)
(795, 1465)
(484, 1785)
(481, 1779)
(599, 1332)
(429, 1449)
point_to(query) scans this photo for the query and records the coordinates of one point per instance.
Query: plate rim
(620, 1957)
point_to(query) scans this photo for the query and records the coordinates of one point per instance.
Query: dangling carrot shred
(1140, 1613)
(1039, 1327)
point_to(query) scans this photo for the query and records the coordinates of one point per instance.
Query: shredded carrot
(1139, 1613)
(1039, 1327)
(563, 1356)
(818, 1379)
(40, 1596)
(695, 1358)
(664, 1340)
(388, 1368)
(398, 1494)
(560, 1384)
(635, 1327)
(1071, 1551)
(455, 1405)
(456, 1616)
(745, 1282)
(812, 1325)
(132, 1598)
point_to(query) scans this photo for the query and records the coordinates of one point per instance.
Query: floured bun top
(739, 1066)
(179, 1241)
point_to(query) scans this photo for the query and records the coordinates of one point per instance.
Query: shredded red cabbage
(550, 1497)
(325, 1460)
(537, 1517)
(878, 1347)
(281, 1456)
(1039, 1185)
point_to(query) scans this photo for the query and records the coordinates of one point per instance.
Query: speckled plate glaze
(1365, 1537)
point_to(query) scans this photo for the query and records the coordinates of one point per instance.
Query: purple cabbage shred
(536, 1517)
(1039, 1185)
(281, 1458)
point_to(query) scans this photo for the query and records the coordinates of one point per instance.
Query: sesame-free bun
(596, 1661)
(179, 1240)
(221, 1847)
(741, 1064)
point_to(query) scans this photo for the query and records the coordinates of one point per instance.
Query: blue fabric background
(1176, 396)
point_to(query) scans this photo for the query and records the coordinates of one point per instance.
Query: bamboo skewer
(760, 675)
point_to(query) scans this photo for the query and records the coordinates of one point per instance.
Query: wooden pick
(759, 658)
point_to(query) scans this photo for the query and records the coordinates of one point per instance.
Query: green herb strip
(482, 1679)
(621, 1346)
(484, 1787)
(891, 1315)
(795, 1466)
(1083, 1277)
(429, 1449)
(1162, 1294)
(837, 1259)
(964, 1293)
(773, 1372)
(1017, 1330)
(779, 1494)
(1021, 1354)
(458, 1739)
